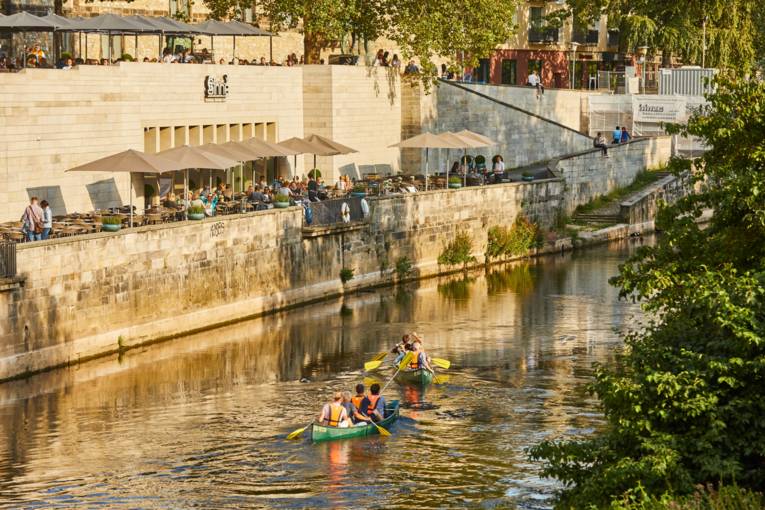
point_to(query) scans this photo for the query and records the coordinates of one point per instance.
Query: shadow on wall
(52, 194)
(391, 77)
(104, 194)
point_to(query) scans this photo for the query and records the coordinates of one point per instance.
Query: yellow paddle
(441, 363)
(441, 379)
(295, 434)
(375, 362)
(381, 430)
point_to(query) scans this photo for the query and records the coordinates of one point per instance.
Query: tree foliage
(685, 405)
(676, 27)
(422, 29)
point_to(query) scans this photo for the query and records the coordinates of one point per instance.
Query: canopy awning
(338, 148)
(23, 21)
(130, 161)
(111, 23)
(194, 157)
(428, 140)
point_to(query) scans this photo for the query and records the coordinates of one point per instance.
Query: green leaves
(685, 403)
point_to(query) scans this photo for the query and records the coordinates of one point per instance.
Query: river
(201, 421)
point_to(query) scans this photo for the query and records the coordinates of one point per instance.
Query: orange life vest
(335, 411)
(372, 404)
(356, 401)
(414, 363)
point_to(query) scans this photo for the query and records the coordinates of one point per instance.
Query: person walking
(32, 220)
(47, 220)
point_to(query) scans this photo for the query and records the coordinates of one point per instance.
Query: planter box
(455, 185)
(196, 216)
(281, 205)
(110, 227)
(528, 178)
(358, 194)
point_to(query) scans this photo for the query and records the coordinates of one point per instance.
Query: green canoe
(322, 433)
(419, 377)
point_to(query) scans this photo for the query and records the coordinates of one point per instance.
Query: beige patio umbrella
(231, 150)
(269, 150)
(471, 135)
(130, 161)
(194, 157)
(427, 141)
(316, 145)
(466, 142)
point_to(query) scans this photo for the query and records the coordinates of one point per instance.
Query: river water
(201, 421)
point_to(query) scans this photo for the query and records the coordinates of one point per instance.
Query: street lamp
(574, 46)
(643, 51)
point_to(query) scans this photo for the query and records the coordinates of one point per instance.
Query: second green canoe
(420, 377)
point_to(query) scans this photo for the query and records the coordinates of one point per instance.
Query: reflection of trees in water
(518, 279)
(457, 290)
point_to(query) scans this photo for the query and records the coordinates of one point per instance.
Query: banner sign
(658, 109)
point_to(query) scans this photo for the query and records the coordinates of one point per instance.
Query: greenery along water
(201, 421)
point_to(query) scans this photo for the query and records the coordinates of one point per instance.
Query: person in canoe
(373, 405)
(333, 414)
(356, 401)
(419, 358)
(350, 408)
(401, 348)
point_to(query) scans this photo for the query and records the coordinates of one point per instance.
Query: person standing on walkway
(617, 136)
(47, 220)
(498, 168)
(32, 220)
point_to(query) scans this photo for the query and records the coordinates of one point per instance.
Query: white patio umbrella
(426, 141)
(130, 161)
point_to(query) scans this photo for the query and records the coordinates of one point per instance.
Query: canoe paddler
(373, 404)
(356, 401)
(419, 359)
(333, 414)
(401, 348)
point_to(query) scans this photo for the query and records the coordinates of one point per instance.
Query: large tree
(677, 27)
(422, 29)
(686, 404)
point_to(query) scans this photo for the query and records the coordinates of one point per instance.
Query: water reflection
(200, 421)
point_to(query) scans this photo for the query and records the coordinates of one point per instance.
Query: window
(482, 72)
(179, 9)
(536, 65)
(509, 72)
(585, 34)
(538, 33)
(613, 38)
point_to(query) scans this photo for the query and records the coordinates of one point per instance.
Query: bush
(346, 274)
(727, 497)
(513, 242)
(281, 198)
(195, 209)
(65, 55)
(458, 252)
(359, 188)
(127, 57)
(111, 220)
(403, 267)
(455, 180)
(315, 173)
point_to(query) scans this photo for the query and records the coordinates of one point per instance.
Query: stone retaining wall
(643, 206)
(87, 296)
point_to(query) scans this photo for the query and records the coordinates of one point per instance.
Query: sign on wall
(658, 109)
(216, 88)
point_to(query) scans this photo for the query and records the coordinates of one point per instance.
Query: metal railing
(330, 212)
(7, 259)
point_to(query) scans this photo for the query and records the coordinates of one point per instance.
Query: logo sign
(657, 109)
(216, 88)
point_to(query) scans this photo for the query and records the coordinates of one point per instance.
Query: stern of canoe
(420, 377)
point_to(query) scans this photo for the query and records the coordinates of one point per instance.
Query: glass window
(536, 65)
(509, 72)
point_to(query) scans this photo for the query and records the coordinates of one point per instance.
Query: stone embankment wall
(588, 174)
(86, 296)
(642, 207)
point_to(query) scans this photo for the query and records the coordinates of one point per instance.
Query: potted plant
(196, 212)
(111, 223)
(528, 176)
(281, 201)
(315, 173)
(359, 191)
(455, 182)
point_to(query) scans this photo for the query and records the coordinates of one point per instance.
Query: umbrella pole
(447, 168)
(314, 162)
(426, 169)
(210, 185)
(294, 169)
(270, 49)
(234, 52)
(135, 53)
(130, 195)
(464, 178)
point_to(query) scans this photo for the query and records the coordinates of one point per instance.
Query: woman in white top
(498, 167)
(47, 220)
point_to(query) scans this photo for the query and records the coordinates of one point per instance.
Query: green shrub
(516, 241)
(281, 198)
(457, 252)
(727, 497)
(111, 220)
(455, 180)
(65, 55)
(403, 267)
(196, 209)
(346, 274)
(315, 173)
(359, 188)
(127, 57)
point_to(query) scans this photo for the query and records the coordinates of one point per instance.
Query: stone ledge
(11, 284)
(328, 230)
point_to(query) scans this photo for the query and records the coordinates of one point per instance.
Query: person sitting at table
(170, 201)
(256, 195)
(210, 201)
(196, 201)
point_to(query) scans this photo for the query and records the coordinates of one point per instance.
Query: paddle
(296, 433)
(381, 430)
(375, 362)
(441, 363)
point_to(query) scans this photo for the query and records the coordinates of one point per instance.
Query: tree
(685, 404)
(423, 29)
(676, 27)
